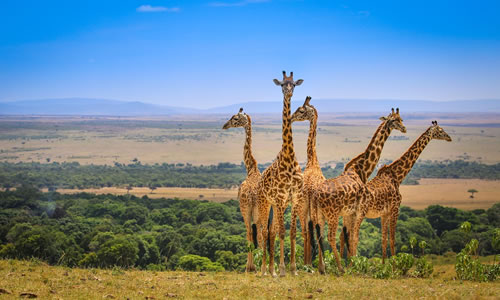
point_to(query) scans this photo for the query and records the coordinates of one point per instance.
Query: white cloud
(149, 8)
(238, 3)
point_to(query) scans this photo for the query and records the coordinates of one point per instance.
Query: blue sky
(212, 53)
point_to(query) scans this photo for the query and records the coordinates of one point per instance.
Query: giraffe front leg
(250, 267)
(293, 235)
(263, 235)
(272, 238)
(384, 223)
(281, 226)
(393, 224)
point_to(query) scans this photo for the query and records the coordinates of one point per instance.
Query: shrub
(423, 268)
(402, 263)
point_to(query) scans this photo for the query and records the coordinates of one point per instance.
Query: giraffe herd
(314, 199)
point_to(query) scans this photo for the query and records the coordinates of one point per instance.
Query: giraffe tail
(320, 237)
(346, 238)
(269, 228)
(254, 236)
(312, 243)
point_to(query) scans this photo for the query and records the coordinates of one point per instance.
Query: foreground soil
(25, 279)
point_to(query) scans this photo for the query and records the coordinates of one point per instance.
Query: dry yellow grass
(445, 192)
(107, 144)
(47, 282)
(451, 192)
(215, 195)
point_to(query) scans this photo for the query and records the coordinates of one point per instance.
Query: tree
(152, 188)
(120, 251)
(198, 263)
(472, 191)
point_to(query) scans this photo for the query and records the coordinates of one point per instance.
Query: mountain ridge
(96, 106)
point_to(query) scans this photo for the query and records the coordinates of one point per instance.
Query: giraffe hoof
(321, 270)
(275, 275)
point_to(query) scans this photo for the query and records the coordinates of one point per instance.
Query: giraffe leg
(393, 223)
(321, 262)
(293, 235)
(247, 219)
(346, 222)
(355, 233)
(333, 222)
(263, 234)
(273, 229)
(281, 225)
(384, 223)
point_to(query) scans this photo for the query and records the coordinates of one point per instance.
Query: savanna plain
(200, 141)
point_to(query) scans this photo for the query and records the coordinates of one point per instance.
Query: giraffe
(247, 192)
(343, 195)
(280, 182)
(312, 176)
(385, 186)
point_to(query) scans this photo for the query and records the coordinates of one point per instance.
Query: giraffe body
(385, 197)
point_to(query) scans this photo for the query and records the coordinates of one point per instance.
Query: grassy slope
(48, 282)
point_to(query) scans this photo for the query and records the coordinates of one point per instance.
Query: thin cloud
(149, 8)
(364, 13)
(238, 3)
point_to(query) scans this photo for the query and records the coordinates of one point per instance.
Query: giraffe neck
(365, 163)
(402, 166)
(287, 148)
(250, 162)
(312, 158)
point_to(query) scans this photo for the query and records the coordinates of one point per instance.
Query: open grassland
(102, 140)
(445, 192)
(214, 195)
(452, 193)
(18, 277)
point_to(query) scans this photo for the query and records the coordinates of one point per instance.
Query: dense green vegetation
(223, 175)
(106, 230)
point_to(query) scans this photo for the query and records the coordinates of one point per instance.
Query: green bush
(469, 268)
(423, 268)
(402, 263)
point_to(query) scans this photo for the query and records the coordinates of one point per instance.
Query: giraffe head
(240, 119)
(288, 84)
(436, 132)
(394, 121)
(305, 112)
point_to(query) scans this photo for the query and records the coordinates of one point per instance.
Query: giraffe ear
(299, 82)
(277, 82)
(383, 118)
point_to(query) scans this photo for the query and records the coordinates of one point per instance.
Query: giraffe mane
(348, 165)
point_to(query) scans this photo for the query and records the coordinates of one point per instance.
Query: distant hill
(85, 106)
(370, 106)
(105, 107)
